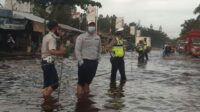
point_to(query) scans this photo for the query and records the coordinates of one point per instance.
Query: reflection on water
(85, 104)
(50, 104)
(116, 94)
(162, 85)
(142, 64)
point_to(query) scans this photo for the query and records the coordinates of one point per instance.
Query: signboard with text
(91, 13)
(119, 22)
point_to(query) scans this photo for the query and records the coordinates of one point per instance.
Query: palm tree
(197, 11)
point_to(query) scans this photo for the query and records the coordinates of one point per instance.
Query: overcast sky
(170, 14)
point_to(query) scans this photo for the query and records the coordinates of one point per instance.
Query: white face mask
(91, 29)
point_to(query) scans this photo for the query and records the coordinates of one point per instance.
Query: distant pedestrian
(48, 54)
(117, 56)
(10, 43)
(140, 50)
(87, 51)
(166, 50)
(145, 49)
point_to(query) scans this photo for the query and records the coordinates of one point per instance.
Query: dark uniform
(145, 50)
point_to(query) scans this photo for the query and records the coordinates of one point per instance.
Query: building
(16, 6)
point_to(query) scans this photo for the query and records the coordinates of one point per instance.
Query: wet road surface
(161, 85)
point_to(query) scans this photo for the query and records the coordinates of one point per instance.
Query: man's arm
(53, 51)
(111, 44)
(99, 50)
(59, 52)
(78, 46)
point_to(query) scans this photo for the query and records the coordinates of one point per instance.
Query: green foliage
(106, 24)
(60, 10)
(47, 3)
(158, 38)
(189, 25)
(83, 22)
(197, 11)
(132, 24)
(61, 13)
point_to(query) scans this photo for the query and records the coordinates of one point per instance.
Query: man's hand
(62, 51)
(80, 63)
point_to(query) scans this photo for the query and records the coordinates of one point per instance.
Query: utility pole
(97, 18)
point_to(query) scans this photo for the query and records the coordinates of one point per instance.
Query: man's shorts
(87, 71)
(50, 75)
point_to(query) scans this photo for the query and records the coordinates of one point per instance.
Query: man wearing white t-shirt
(48, 54)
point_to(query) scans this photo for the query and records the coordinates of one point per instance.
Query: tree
(41, 7)
(197, 11)
(106, 24)
(189, 25)
(61, 13)
(158, 38)
(46, 3)
(132, 24)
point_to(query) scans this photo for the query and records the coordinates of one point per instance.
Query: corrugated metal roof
(5, 12)
(32, 17)
(70, 28)
(29, 16)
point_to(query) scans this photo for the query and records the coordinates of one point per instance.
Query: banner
(91, 13)
(138, 33)
(132, 30)
(119, 22)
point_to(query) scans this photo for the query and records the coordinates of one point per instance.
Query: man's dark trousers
(117, 63)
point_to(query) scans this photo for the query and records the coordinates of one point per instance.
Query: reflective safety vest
(140, 47)
(118, 49)
(145, 45)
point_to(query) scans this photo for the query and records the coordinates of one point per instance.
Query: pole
(96, 18)
(59, 86)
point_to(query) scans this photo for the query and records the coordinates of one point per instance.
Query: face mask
(91, 29)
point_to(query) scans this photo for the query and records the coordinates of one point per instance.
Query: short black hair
(52, 24)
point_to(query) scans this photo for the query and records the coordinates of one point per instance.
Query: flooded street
(160, 85)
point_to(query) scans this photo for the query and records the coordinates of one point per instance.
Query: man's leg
(91, 72)
(81, 79)
(51, 79)
(146, 56)
(86, 89)
(122, 69)
(46, 81)
(80, 90)
(113, 70)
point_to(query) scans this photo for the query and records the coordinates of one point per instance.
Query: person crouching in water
(87, 51)
(48, 54)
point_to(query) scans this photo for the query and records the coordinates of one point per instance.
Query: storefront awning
(29, 16)
(70, 28)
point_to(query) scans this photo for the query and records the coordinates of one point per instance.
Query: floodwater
(161, 85)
